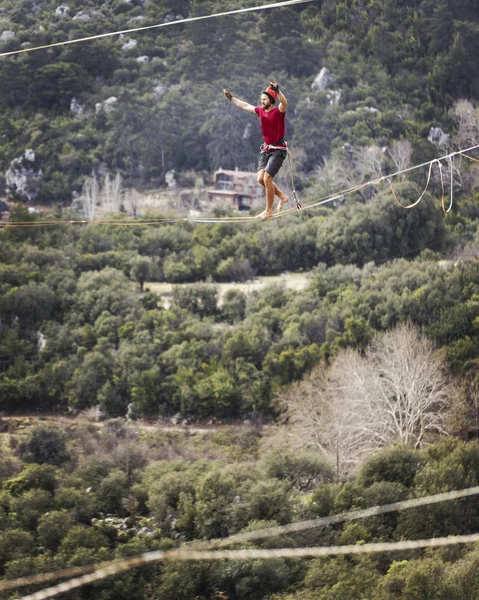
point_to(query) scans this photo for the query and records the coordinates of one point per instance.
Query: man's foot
(266, 214)
(282, 201)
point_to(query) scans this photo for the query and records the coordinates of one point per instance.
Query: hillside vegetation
(80, 495)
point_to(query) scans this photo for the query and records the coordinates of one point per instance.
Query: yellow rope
(420, 197)
(469, 157)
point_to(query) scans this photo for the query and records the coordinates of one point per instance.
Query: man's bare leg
(282, 198)
(268, 212)
(269, 187)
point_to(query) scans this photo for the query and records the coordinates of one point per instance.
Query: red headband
(271, 93)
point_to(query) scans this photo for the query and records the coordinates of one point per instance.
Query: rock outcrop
(129, 45)
(7, 35)
(22, 179)
(75, 107)
(107, 106)
(438, 137)
(62, 11)
(322, 80)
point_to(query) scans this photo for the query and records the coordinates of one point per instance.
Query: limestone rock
(29, 155)
(248, 130)
(171, 183)
(144, 60)
(75, 107)
(41, 340)
(159, 90)
(129, 45)
(438, 137)
(61, 11)
(7, 35)
(108, 105)
(84, 16)
(22, 178)
(322, 80)
(333, 97)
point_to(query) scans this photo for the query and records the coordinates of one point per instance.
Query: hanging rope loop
(291, 167)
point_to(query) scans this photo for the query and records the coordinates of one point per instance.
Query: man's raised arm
(239, 103)
(283, 103)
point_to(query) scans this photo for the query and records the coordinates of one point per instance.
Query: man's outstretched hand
(228, 94)
(274, 86)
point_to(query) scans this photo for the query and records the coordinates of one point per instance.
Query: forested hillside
(80, 326)
(144, 103)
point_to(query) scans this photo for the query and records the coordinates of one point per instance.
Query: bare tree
(369, 162)
(132, 202)
(117, 192)
(409, 385)
(401, 153)
(467, 119)
(340, 174)
(111, 193)
(333, 176)
(89, 197)
(397, 392)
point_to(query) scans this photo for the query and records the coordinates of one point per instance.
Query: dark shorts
(271, 161)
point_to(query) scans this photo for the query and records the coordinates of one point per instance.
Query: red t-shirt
(273, 124)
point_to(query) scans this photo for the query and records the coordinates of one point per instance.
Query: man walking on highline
(273, 151)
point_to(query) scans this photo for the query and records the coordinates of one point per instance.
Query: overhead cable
(166, 24)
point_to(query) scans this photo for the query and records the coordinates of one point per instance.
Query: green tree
(398, 465)
(53, 527)
(113, 490)
(34, 477)
(54, 85)
(46, 445)
(303, 470)
(14, 544)
(141, 270)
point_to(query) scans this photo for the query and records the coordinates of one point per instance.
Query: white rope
(452, 186)
(252, 554)
(324, 200)
(110, 568)
(385, 178)
(351, 515)
(168, 24)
